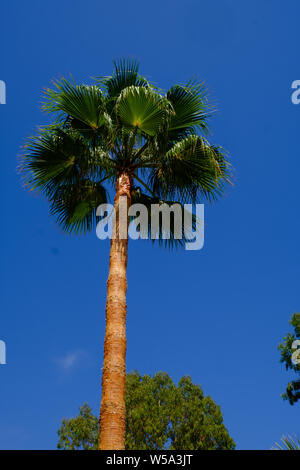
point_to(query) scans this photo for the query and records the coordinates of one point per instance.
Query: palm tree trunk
(112, 412)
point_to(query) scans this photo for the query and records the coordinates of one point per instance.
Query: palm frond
(288, 443)
(74, 205)
(191, 107)
(86, 104)
(125, 74)
(192, 170)
(57, 157)
(142, 108)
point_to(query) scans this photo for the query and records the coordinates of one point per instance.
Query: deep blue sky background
(217, 314)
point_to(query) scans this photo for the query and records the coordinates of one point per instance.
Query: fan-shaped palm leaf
(75, 205)
(59, 156)
(142, 108)
(84, 103)
(191, 108)
(125, 74)
(191, 170)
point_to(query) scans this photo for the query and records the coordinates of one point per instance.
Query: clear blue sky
(217, 314)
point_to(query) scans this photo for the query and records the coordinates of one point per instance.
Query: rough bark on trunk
(112, 412)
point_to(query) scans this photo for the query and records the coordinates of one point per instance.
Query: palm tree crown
(123, 123)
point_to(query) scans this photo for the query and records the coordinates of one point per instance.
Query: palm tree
(121, 132)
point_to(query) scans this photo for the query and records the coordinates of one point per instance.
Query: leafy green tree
(125, 135)
(293, 388)
(159, 415)
(81, 432)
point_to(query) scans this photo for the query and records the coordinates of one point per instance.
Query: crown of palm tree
(123, 123)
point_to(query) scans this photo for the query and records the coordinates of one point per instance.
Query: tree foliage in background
(79, 433)
(293, 388)
(159, 415)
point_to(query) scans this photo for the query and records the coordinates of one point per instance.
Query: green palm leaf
(191, 170)
(288, 443)
(191, 108)
(143, 109)
(74, 206)
(125, 74)
(84, 103)
(60, 156)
